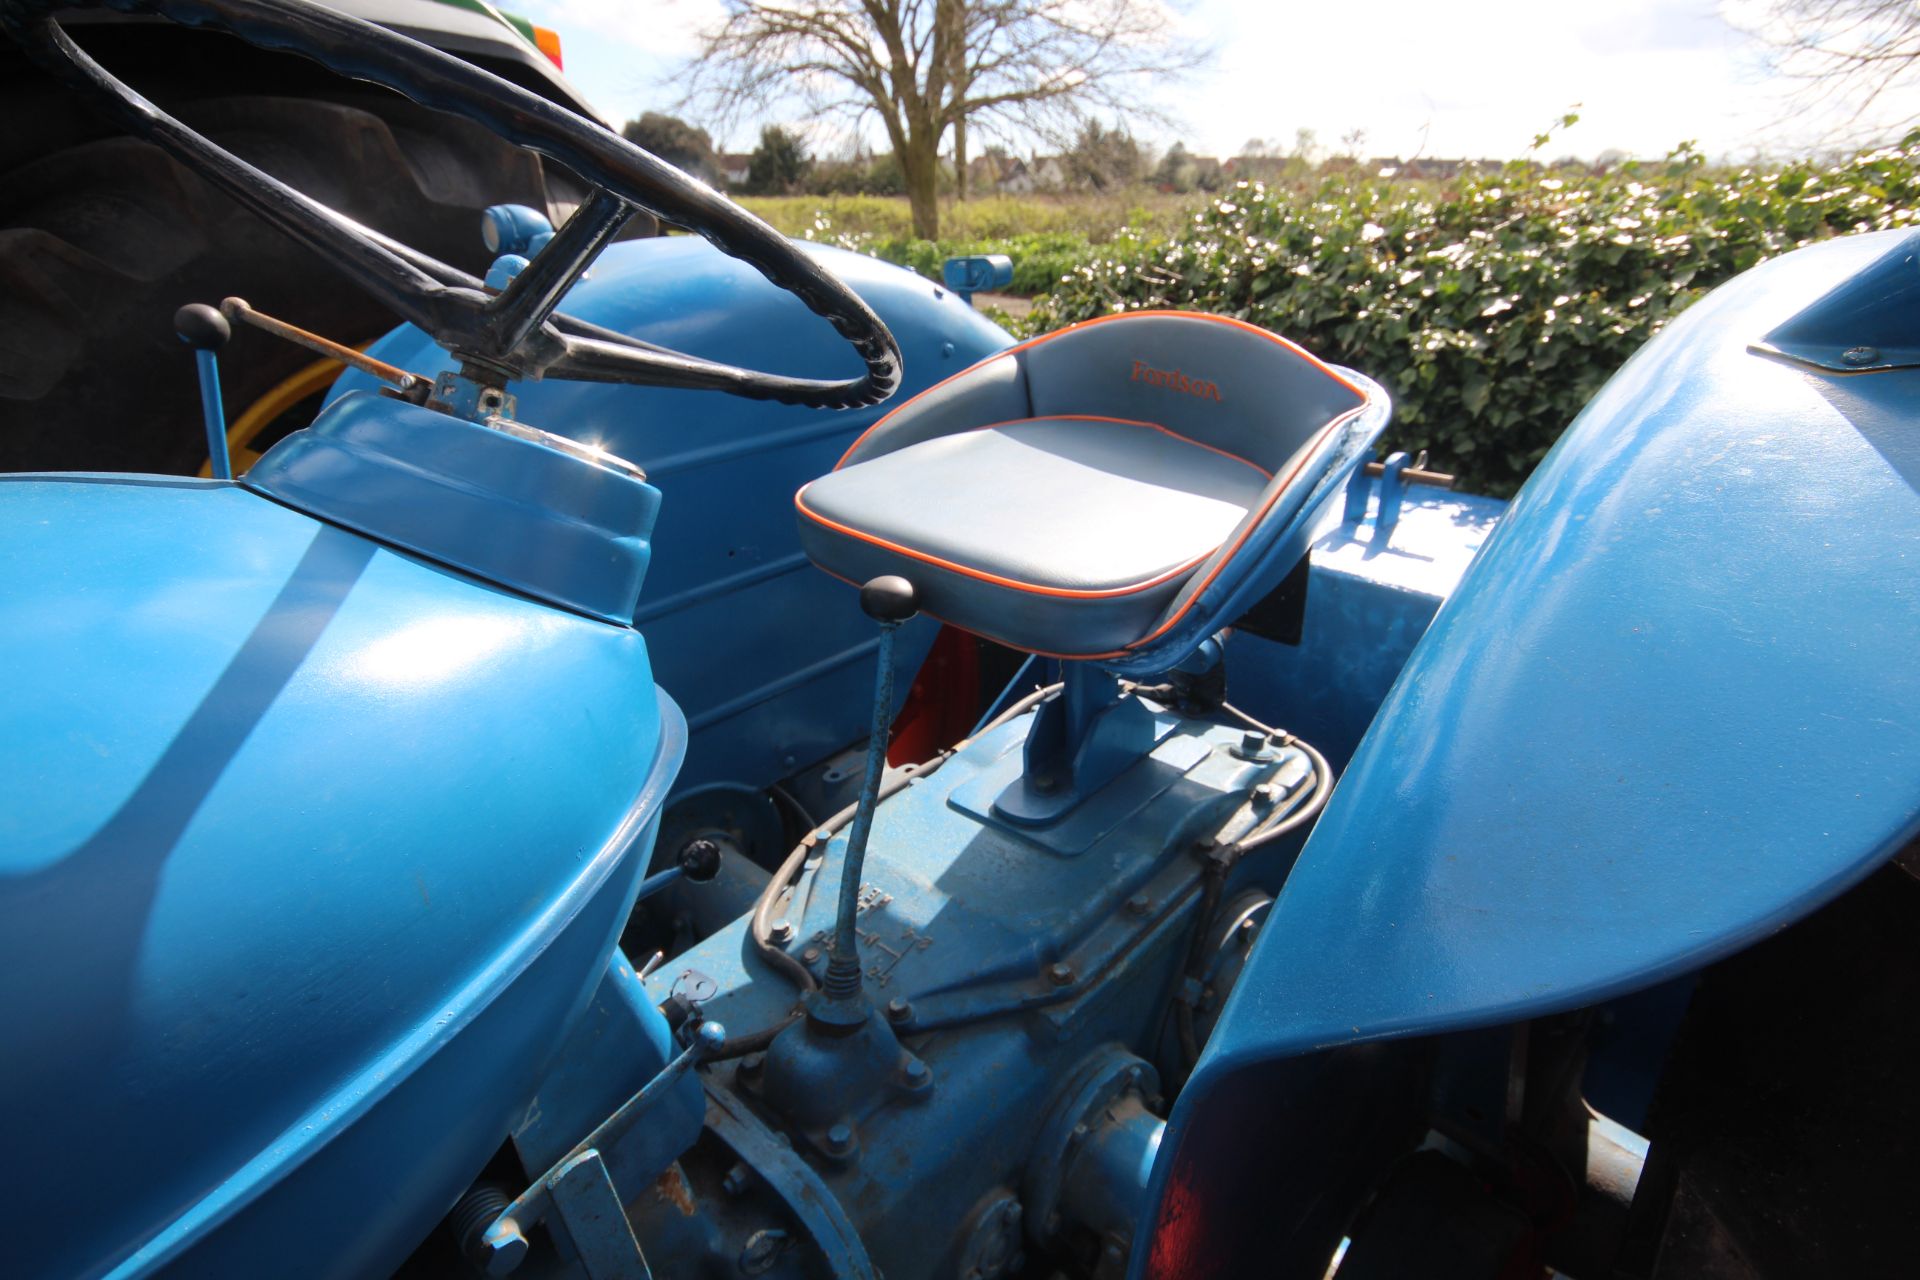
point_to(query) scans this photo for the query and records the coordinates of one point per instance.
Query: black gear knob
(889, 599)
(201, 327)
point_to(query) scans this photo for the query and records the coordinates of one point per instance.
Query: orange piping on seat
(1246, 533)
(1102, 593)
(1124, 422)
(1294, 347)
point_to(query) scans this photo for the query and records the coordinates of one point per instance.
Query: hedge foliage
(1491, 310)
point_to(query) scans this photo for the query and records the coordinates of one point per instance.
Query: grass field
(996, 217)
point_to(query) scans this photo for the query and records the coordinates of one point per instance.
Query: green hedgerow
(1493, 310)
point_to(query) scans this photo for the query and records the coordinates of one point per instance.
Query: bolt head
(916, 1072)
(810, 955)
(1139, 904)
(1060, 974)
(840, 1137)
(1860, 355)
(751, 1064)
(899, 1010)
(502, 1250)
(781, 932)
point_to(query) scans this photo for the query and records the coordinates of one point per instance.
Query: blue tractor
(467, 842)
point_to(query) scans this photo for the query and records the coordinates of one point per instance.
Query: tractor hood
(1672, 708)
(308, 849)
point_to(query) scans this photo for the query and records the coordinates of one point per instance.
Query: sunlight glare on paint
(435, 649)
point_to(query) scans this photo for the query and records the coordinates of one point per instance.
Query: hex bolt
(1060, 974)
(899, 1010)
(1857, 356)
(503, 1254)
(917, 1074)
(781, 932)
(840, 1138)
(810, 955)
(1139, 904)
(751, 1064)
(762, 1251)
(738, 1179)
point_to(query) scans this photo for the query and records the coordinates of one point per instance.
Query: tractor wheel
(102, 239)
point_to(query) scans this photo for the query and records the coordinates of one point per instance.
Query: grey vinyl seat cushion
(1071, 496)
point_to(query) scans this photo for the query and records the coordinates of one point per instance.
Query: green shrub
(1493, 310)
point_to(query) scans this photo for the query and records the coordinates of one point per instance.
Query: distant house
(1042, 173)
(733, 168)
(1255, 168)
(989, 172)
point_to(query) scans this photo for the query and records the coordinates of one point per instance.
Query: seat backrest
(1215, 380)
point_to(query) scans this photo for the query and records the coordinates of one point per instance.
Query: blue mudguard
(1673, 707)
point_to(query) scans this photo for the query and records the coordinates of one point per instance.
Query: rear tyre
(103, 238)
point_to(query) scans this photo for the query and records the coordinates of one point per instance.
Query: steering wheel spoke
(530, 297)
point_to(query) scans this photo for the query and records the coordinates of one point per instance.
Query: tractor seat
(1106, 491)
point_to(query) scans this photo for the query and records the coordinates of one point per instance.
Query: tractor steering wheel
(516, 333)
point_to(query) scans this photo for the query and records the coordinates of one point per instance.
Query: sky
(1440, 78)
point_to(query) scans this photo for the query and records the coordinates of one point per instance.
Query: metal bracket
(794, 1181)
(595, 1221)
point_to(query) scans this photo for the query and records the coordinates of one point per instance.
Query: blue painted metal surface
(511, 510)
(1015, 944)
(514, 228)
(601, 1238)
(968, 276)
(1370, 597)
(618, 1044)
(1864, 324)
(1672, 708)
(213, 414)
(771, 658)
(309, 850)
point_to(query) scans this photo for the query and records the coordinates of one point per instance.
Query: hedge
(1494, 309)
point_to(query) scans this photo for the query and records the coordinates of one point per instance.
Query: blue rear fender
(1671, 708)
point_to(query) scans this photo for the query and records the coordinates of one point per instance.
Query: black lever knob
(889, 599)
(201, 327)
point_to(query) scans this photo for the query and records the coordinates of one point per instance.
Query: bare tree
(1034, 67)
(1848, 54)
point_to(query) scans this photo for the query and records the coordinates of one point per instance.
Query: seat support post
(1078, 742)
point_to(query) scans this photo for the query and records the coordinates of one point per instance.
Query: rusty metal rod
(237, 309)
(1415, 475)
